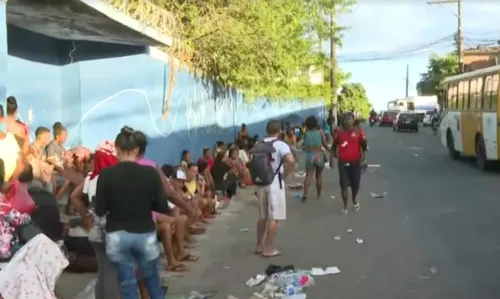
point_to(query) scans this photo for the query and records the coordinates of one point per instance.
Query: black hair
(1, 111)
(142, 142)
(58, 129)
(202, 165)
(312, 123)
(11, 105)
(168, 170)
(191, 165)
(220, 143)
(273, 127)
(232, 150)
(220, 156)
(27, 175)
(184, 154)
(57, 126)
(2, 173)
(206, 150)
(229, 145)
(40, 130)
(126, 140)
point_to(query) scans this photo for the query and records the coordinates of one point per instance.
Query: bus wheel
(451, 146)
(481, 160)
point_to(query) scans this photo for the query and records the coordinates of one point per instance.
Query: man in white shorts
(272, 199)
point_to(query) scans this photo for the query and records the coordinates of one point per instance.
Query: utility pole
(333, 66)
(407, 79)
(459, 38)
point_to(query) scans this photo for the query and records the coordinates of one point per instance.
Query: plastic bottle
(291, 289)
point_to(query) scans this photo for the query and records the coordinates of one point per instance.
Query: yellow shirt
(191, 186)
(9, 153)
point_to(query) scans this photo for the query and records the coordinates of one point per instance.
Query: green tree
(266, 48)
(438, 69)
(353, 97)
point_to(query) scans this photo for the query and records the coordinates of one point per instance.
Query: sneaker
(344, 211)
(356, 207)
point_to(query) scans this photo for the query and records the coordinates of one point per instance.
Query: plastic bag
(20, 199)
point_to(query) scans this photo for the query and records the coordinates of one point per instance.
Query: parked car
(387, 118)
(406, 121)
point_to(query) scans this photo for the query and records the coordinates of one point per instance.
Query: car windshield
(390, 114)
(407, 116)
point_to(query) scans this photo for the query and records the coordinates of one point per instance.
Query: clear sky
(407, 31)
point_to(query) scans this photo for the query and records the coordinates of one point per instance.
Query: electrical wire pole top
(459, 39)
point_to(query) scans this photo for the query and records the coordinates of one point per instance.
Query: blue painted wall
(94, 98)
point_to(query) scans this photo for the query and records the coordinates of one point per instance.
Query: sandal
(274, 253)
(189, 258)
(179, 268)
(304, 198)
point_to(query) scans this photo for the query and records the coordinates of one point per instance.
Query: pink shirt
(147, 162)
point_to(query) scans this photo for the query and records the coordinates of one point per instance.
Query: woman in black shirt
(127, 194)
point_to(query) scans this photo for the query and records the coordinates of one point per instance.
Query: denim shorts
(122, 246)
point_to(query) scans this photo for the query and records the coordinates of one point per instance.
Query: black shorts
(349, 174)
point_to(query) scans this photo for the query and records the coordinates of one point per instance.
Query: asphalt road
(434, 235)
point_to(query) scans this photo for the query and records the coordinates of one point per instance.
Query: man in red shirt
(349, 147)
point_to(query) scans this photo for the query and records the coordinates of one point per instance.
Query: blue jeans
(125, 250)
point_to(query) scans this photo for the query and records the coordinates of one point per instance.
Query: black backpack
(260, 167)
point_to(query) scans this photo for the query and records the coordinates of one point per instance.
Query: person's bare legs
(165, 231)
(180, 232)
(261, 231)
(307, 182)
(319, 181)
(271, 226)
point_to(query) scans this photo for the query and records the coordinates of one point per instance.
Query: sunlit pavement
(434, 235)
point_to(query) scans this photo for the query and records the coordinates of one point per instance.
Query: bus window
(488, 88)
(466, 95)
(494, 92)
(460, 97)
(473, 93)
(454, 95)
(449, 95)
(479, 93)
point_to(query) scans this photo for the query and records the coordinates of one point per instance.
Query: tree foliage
(438, 69)
(352, 98)
(266, 48)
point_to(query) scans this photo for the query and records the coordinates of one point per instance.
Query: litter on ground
(337, 238)
(359, 241)
(326, 271)
(349, 231)
(377, 195)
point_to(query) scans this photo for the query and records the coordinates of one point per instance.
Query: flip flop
(257, 252)
(189, 258)
(179, 268)
(273, 254)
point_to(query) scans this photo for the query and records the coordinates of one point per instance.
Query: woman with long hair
(127, 194)
(314, 145)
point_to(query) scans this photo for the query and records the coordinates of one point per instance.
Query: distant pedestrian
(314, 146)
(271, 160)
(349, 147)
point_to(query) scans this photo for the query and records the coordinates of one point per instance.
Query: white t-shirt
(242, 154)
(281, 150)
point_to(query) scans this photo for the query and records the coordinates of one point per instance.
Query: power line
(445, 42)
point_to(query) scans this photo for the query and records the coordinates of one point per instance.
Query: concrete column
(3, 50)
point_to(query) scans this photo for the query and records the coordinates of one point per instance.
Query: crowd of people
(125, 204)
